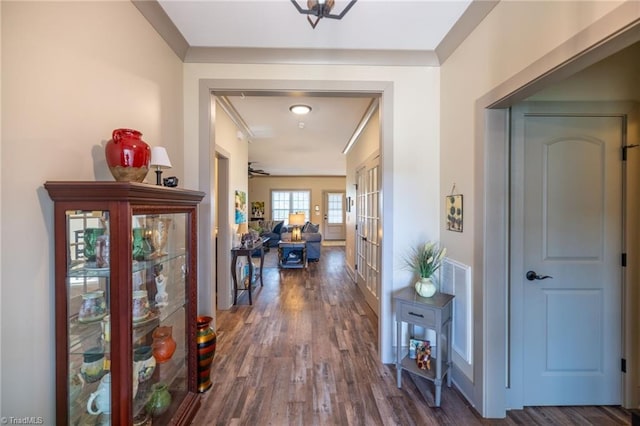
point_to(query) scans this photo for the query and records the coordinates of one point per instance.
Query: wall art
(453, 212)
(241, 206)
(257, 209)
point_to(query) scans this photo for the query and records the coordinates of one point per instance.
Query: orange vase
(163, 344)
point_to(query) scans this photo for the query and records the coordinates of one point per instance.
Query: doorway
(210, 88)
(222, 233)
(502, 365)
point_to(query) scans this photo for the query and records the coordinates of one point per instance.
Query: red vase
(128, 156)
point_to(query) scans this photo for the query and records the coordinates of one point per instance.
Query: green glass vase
(159, 401)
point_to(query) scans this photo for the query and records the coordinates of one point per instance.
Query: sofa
(268, 228)
(309, 233)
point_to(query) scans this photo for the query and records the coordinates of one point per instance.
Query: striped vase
(206, 341)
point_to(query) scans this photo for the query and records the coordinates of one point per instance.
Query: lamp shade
(160, 158)
(243, 228)
(296, 219)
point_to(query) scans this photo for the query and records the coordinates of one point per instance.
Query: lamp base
(295, 234)
(159, 177)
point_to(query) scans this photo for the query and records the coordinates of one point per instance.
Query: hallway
(305, 354)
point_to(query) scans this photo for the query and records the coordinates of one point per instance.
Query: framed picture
(257, 209)
(453, 213)
(241, 206)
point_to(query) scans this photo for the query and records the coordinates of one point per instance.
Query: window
(285, 202)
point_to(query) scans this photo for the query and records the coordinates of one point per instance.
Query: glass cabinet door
(159, 304)
(88, 302)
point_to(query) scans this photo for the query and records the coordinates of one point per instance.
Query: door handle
(531, 275)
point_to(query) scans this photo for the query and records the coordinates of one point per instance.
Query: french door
(368, 231)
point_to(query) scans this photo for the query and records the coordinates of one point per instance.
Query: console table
(433, 313)
(246, 251)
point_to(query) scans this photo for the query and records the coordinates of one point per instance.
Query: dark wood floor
(305, 354)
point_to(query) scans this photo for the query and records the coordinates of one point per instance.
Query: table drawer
(418, 315)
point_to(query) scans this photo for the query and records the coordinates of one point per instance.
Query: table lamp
(295, 220)
(159, 160)
(243, 228)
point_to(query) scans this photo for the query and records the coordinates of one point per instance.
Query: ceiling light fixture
(321, 9)
(300, 109)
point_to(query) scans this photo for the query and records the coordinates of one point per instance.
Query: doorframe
(491, 184)
(222, 257)
(208, 89)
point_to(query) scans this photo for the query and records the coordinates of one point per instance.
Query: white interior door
(334, 216)
(368, 232)
(568, 179)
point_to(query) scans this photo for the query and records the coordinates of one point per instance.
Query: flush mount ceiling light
(321, 9)
(300, 109)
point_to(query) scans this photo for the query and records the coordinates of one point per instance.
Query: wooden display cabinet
(115, 244)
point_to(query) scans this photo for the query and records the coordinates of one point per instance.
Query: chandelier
(321, 9)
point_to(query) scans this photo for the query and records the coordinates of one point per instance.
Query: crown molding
(245, 55)
(159, 20)
(475, 13)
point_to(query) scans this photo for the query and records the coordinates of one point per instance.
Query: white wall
(71, 73)
(496, 57)
(413, 142)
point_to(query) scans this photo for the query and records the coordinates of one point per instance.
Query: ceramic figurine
(162, 297)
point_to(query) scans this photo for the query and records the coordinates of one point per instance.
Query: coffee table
(292, 254)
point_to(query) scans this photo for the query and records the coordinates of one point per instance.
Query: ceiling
(283, 143)
(373, 32)
(396, 30)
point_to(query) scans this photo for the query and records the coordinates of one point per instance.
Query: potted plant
(425, 260)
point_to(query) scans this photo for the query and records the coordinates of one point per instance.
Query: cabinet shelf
(81, 270)
(88, 350)
(411, 366)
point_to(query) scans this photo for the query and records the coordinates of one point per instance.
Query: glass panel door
(368, 232)
(88, 306)
(334, 216)
(159, 304)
